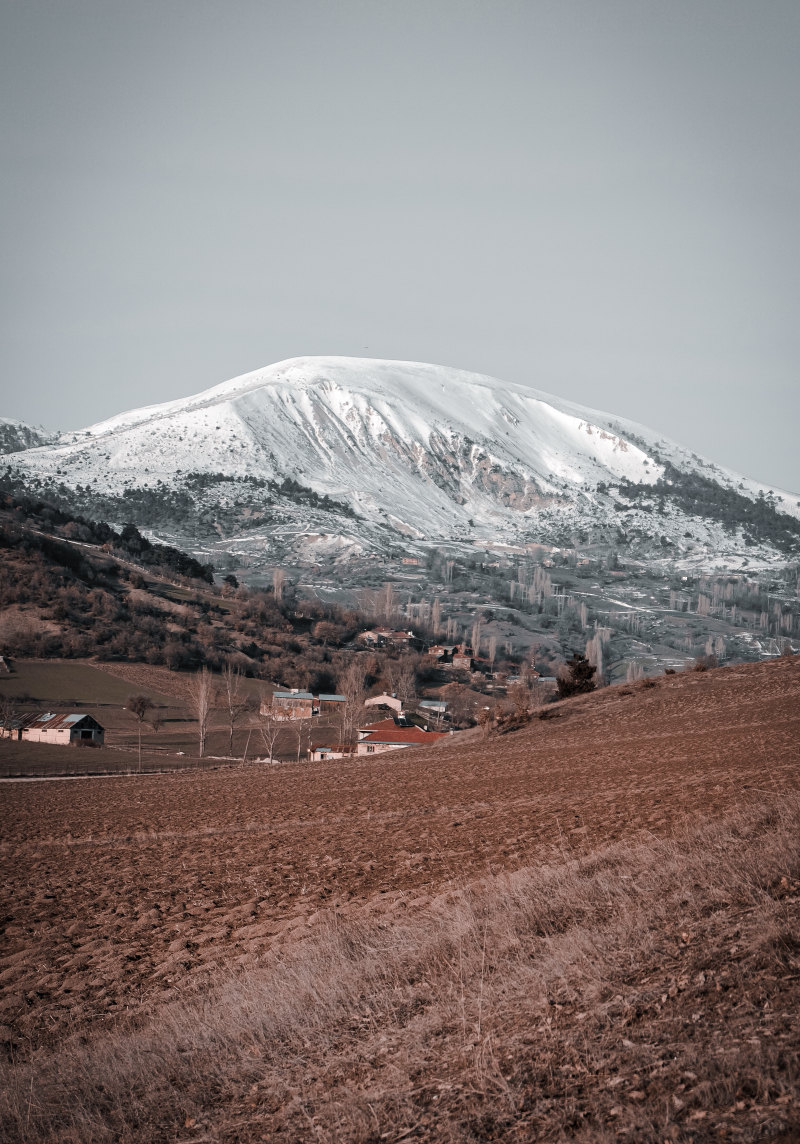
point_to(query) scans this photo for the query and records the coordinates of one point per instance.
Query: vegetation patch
(761, 520)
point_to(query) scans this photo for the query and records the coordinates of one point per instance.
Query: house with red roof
(390, 736)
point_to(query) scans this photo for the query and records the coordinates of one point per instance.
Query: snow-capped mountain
(353, 452)
(16, 436)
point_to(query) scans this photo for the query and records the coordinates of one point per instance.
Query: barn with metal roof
(48, 727)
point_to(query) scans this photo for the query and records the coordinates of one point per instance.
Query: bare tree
(235, 700)
(386, 603)
(405, 683)
(492, 651)
(268, 727)
(461, 704)
(351, 686)
(302, 731)
(486, 718)
(278, 583)
(8, 715)
(366, 602)
(519, 696)
(139, 706)
(477, 629)
(201, 693)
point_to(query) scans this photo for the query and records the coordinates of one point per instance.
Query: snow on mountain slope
(426, 450)
(16, 436)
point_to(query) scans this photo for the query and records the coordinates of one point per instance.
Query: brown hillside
(123, 894)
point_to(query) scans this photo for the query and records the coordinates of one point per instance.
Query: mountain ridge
(416, 451)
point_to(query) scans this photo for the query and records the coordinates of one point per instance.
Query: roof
(381, 725)
(333, 698)
(292, 695)
(401, 735)
(344, 747)
(433, 704)
(41, 720)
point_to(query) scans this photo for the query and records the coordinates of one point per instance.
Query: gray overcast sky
(595, 197)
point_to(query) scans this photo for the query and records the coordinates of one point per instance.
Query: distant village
(350, 724)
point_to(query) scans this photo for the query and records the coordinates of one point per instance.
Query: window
(370, 750)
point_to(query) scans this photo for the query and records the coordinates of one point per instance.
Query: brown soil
(121, 893)
(147, 678)
(114, 890)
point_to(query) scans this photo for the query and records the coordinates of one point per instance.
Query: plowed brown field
(118, 891)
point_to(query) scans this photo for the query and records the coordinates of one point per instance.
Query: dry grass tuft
(646, 992)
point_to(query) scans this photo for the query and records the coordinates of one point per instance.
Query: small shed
(321, 752)
(436, 707)
(292, 704)
(47, 727)
(331, 703)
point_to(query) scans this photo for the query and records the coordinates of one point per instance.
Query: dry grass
(644, 991)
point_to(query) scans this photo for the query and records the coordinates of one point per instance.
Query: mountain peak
(414, 449)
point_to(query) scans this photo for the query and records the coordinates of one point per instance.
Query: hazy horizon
(597, 201)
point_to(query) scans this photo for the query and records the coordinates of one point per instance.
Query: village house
(442, 653)
(462, 659)
(375, 637)
(63, 730)
(390, 736)
(321, 752)
(290, 705)
(389, 701)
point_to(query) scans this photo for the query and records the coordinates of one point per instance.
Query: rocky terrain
(16, 436)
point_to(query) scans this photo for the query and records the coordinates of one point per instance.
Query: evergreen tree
(576, 678)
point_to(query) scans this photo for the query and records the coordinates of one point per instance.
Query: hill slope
(545, 936)
(16, 436)
(420, 451)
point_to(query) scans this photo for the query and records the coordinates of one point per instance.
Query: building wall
(292, 710)
(366, 748)
(58, 735)
(64, 736)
